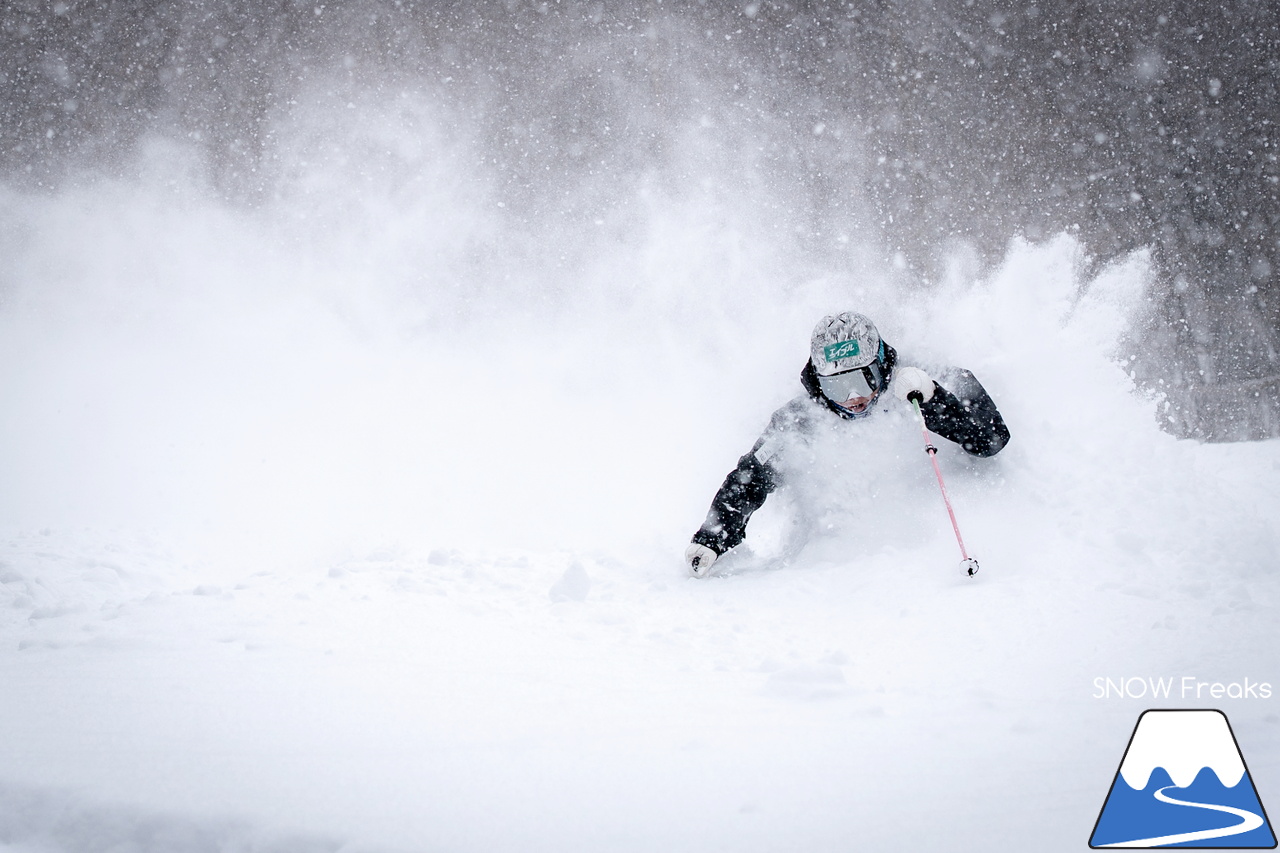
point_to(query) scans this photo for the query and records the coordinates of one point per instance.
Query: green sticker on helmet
(843, 349)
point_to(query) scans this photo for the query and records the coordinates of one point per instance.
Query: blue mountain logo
(1183, 783)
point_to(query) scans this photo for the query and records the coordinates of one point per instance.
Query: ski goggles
(852, 384)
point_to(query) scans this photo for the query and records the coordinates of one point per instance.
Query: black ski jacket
(965, 414)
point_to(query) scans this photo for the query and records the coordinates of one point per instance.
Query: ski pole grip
(915, 397)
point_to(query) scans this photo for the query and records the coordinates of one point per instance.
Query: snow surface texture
(296, 558)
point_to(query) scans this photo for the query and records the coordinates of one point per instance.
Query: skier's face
(857, 388)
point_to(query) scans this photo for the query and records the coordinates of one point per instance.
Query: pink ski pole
(969, 564)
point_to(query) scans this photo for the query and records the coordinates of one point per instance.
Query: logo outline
(1185, 846)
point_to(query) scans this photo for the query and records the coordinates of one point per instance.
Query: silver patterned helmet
(849, 358)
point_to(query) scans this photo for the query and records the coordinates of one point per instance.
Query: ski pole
(969, 564)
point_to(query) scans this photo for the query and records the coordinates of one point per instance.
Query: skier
(849, 368)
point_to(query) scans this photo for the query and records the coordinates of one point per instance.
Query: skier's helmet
(849, 357)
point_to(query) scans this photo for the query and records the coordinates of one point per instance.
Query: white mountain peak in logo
(1183, 743)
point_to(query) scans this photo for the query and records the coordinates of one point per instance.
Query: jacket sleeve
(742, 493)
(966, 415)
(753, 479)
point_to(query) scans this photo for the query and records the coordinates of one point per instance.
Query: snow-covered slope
(292, 562)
